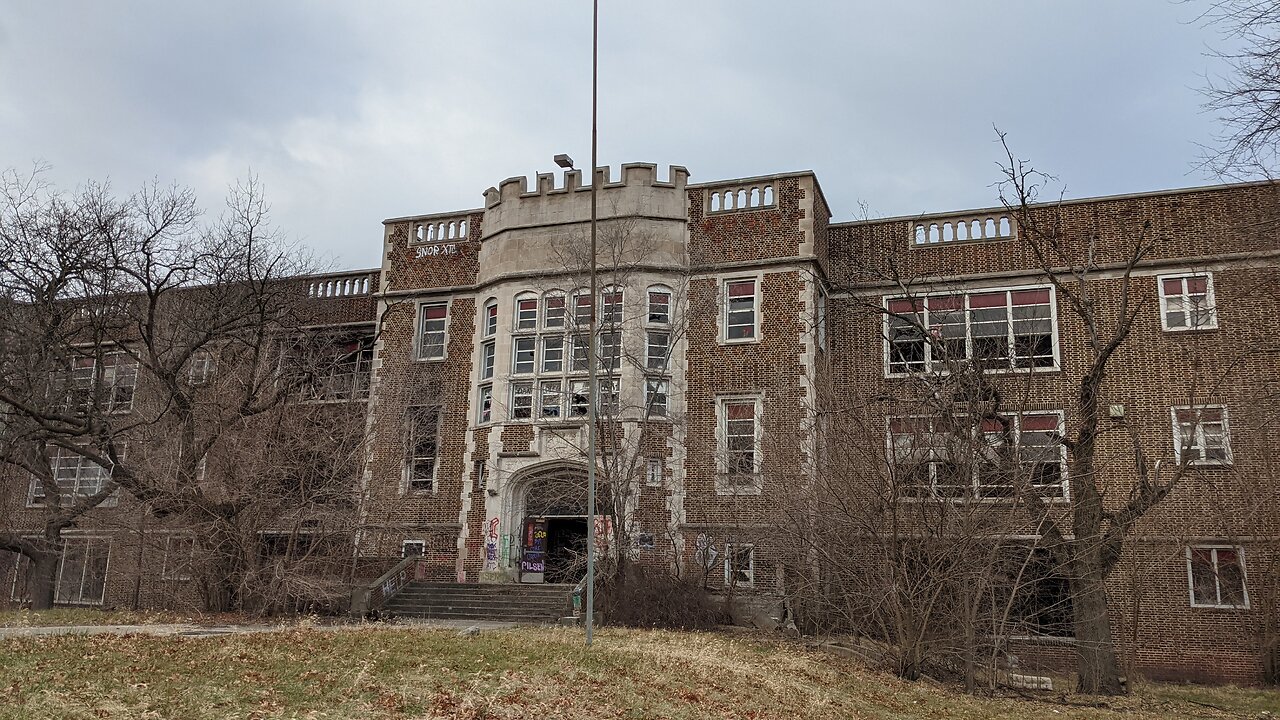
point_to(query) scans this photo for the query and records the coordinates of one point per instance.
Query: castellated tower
(477, 422)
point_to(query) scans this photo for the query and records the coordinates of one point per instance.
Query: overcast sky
(354, 112)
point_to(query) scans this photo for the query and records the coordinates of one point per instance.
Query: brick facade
(694, 241)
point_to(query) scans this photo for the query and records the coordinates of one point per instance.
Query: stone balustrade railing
(341, 286)
(433, 231)
(929, 232)
(741, 197)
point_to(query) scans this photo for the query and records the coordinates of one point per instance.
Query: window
(1216, 575)
(934, 458)
(739, 564)
(486, 360)
(552, 353)
(553, 311)
(521, 400)
(739, 455)
(821, 320)
(526, 313)
(1187, 303)
(998, 329)
(1200, 435)
(82, 571)
(659, 307)
(424, 447)
(610, 351)
(611, 307)
(582, 310)
(413, 548)
(655, 395)
(523, 355)
(479, 474)
(109, 380)
(179, 555)
(490, 318)
(654, 472)
(484, 406)
(432, 320)
(741, 321)
(579, 398)
(76, 477)
(580, 351)
(1041, 593)
(16, 567)
(644, 541)
(657, 347)
(550, 399)
(203, 366)
(339, 370)
(607, 395)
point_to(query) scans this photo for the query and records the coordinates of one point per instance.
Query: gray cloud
(350, 113)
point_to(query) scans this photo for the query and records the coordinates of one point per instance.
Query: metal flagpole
(592, 414)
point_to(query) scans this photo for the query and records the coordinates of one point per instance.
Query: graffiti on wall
(491, 546)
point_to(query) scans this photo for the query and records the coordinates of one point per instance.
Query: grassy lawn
(523, 673)
(63, 616)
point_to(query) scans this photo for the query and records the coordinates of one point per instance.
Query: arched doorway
(552, 517)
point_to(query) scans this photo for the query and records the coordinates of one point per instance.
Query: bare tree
(1247, 102)
(139, 341)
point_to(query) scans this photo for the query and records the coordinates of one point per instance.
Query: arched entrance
(551, 512)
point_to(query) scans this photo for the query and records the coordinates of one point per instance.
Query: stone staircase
(505, 602)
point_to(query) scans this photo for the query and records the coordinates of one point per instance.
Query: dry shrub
(655, 598)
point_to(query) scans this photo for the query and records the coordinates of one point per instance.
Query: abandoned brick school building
(733, 314)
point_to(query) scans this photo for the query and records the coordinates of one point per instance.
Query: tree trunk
(42, 578)
(224, 571)
(1099, 672)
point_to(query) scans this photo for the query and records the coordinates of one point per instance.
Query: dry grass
(60, 617)
(419, 673)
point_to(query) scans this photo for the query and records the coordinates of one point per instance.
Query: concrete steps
(482, 601)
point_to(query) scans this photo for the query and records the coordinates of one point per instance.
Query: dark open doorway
(566, 549)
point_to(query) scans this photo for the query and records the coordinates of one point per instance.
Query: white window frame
(414, 413)
(488, 359)
(531, 387)
(489, 318)
(420, 336)
(648, 305)
(757, 309)
(62, 561)
(602, 314)
(655, 472)
(820, 320)
(1198, 440)
(406, 544)
(545, 344)
(532, 350)
(661, 385)
(729, 549)
(972, 493)
(1244, 577)
(724, 484)
(519, 318)
(484, 404)
(110, 501)
(546, 314)
(178, 570)
(1210, 299)
(207, 363)
(660, 361)
(1055, 336)
(559, 395)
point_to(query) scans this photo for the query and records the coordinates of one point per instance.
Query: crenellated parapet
(525, 229)
(639, 191)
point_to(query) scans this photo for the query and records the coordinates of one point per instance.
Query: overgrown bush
(655, 598)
